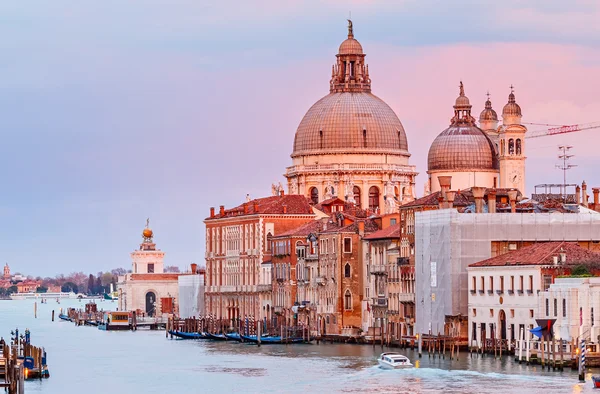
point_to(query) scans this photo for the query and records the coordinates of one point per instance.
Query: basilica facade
(350, 144)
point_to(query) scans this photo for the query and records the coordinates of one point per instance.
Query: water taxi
(115, 321)
(393, 361)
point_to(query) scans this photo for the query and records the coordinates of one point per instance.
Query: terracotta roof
(348, 210)
(388, 232)
(463, 198)
(303, 230)
(293, 203)
(168, 276)
(543, 254)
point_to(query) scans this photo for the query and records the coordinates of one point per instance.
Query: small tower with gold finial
(6, 271)
(148, 259)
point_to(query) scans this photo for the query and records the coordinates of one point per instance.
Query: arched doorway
(374, 198)
(502, 317)
(150, 303)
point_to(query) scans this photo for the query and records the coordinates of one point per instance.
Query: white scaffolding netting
(447, 242)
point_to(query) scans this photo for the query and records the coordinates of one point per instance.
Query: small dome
(462, 147)
(147, 233)
(350, 46)
(488, 114)
(462, 101)
(511, 108)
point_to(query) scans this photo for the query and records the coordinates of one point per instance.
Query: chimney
(194, 268)
(450, 195)
(478, 193)
(284, 208)
(222, 210)
(361, 228)
(584, 195)
(445, 184)
(492, 201)
(596, 191)
(212, 212)
(255, 207)
(282, 192)
(245, 209)
(441, 202)
(512, 196)
(578, 195)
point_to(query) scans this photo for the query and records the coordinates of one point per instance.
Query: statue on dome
(350, 29)
(349, 189)
(294, 186)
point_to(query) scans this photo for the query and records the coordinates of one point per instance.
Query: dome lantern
(511, 113)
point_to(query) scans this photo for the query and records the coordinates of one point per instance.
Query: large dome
(350, 122)
(462, 147)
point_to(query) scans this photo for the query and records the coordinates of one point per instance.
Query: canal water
(86, 360)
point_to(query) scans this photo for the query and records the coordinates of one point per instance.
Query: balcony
(228, 289)
(378, 269)
(402, 261)
(321, 280)
(406, 298)
(380, 302)
(278, 310)
(312, 256)
(264, 288)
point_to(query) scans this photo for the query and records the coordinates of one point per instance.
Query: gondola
(64, 317)
(234, 336)
(217, 337)
(188, 335)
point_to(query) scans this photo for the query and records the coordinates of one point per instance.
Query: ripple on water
(247, 372)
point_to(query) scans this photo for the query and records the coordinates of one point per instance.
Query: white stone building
(148, 290)
(503, 290)
(575, 304)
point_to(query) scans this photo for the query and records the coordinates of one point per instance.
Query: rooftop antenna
(565, 166)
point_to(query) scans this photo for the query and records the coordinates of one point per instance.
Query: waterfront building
(148, 290)
(294, 260)
(28, 286)
(575, 304)
(350, 143)
(191, 293)
(447, 242)
(237, 239)
(504, 291)
(389, 286)
(492, 158)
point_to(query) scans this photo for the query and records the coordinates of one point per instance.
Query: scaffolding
(447, 242)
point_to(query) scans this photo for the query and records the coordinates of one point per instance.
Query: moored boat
(64, 317)
(115, 321)
(234, 336)
(596, 381)
(217, 337)
(393, 361)
(188, 335)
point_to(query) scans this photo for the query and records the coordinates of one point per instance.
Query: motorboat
(393, 361)
(596, 381)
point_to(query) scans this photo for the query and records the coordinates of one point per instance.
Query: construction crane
(561, 129)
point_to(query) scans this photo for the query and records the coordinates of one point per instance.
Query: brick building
(237, 242)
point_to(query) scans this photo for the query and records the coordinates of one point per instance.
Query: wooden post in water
(258, 333)
(35, 309)
(542, 347)
(420, 345)
(553, 355)
(562, 356)
(52, 314)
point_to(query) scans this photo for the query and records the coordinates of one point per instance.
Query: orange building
(28, 286)
(237, 242)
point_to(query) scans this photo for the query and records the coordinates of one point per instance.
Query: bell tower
(511, 141)
(6, 271)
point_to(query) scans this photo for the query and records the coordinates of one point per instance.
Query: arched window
(348, 301)
(511, 146)
(314, 195)
(347, 270)
(356, 192)
(373, 198)
(519, 146)
(327, 319)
